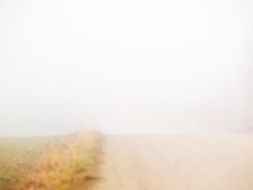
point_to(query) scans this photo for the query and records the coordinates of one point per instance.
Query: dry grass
(71, 163)
(16, 156)
(46, 163)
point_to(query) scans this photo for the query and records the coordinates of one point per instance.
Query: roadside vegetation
(50, 163)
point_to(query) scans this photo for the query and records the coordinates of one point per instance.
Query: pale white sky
(135, 66)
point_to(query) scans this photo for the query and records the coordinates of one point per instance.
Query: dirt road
(178, 162)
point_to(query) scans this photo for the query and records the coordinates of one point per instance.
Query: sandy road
(178, 162)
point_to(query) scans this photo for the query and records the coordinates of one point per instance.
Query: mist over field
(126, 66)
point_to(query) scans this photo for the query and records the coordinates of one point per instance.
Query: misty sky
(130, 66)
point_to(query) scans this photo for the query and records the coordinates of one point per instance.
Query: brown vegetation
(70, 163)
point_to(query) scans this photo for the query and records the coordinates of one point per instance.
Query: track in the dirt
(178, 162)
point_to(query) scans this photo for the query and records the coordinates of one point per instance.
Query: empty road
(177, 162)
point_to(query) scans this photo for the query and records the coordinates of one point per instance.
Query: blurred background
(136, 66)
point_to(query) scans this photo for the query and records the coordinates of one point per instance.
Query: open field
(49, 163)
(16, 155)
(178, 162)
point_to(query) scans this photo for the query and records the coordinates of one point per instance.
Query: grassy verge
(61, 163)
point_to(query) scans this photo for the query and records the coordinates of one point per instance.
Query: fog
(133, 66)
